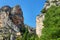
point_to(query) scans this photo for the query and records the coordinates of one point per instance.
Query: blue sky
(30, 8)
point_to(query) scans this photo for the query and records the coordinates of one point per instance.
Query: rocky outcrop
(40, 18)
(39, 24)
(17, 16)
(49, 3)
(11, 22)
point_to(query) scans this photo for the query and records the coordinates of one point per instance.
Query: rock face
(49, 3)
(17, 16)
(40, 18)
(39, 24)
(11, 22)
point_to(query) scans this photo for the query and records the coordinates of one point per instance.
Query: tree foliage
(51, 30)
(28, 36)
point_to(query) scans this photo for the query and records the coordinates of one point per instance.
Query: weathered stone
(40, 18)
(17, 16)
(11, 21)
(39, 24)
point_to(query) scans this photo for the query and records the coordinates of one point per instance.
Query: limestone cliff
(40, 18)
(11, 22)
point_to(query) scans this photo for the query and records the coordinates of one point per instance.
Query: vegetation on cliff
(27, 36)
(51, 30)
